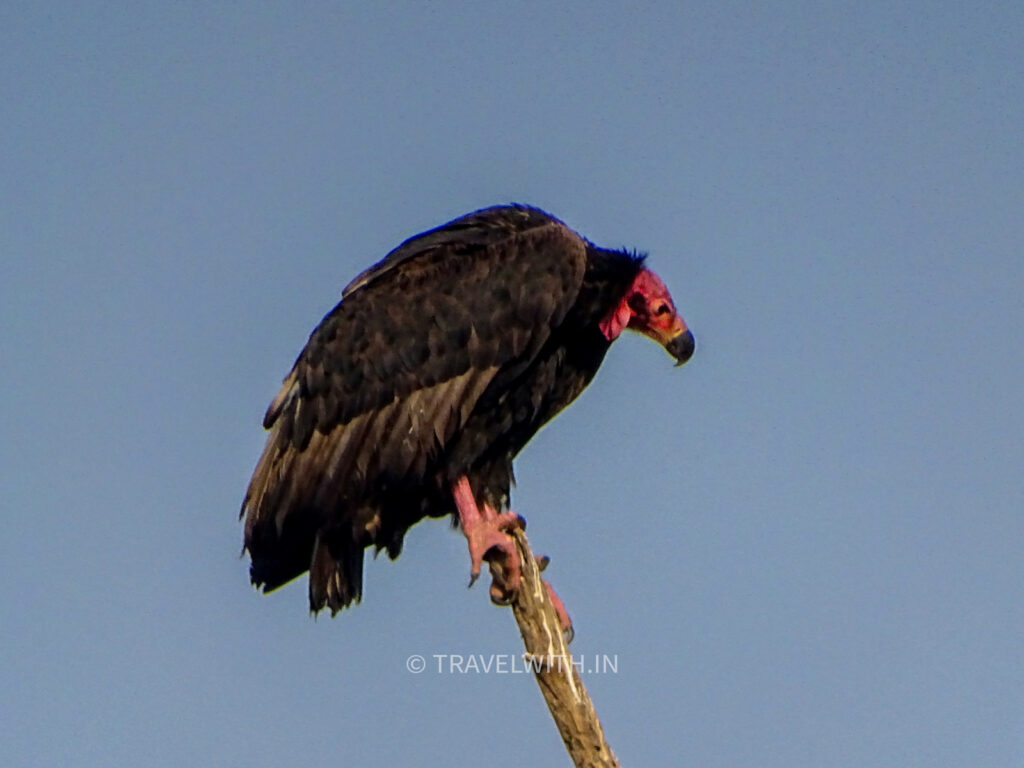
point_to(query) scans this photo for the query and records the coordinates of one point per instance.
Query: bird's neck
(615, 322)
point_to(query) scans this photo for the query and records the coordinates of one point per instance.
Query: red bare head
(647, 308)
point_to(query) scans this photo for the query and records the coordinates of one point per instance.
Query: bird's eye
(661, 309)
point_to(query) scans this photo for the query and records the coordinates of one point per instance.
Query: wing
(392, 373)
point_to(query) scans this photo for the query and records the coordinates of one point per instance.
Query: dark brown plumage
(441, 361)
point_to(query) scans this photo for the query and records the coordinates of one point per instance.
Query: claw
(500, 591)
(563, 616)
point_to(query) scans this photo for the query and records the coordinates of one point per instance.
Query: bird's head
(647, 308)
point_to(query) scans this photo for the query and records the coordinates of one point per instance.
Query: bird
(414, 394)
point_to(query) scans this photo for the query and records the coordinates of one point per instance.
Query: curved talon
(563, 616)
(500, 592)
(506, 575)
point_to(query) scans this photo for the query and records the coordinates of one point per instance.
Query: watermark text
(511, 663)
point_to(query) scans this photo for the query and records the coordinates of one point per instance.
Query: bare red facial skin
(647, 307)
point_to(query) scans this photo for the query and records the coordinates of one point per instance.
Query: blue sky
(803, 548)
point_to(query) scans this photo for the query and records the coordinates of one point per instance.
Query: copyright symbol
(415, 663)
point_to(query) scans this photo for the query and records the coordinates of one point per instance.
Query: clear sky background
(804, 547)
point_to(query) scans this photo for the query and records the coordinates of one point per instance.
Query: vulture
(414, 394)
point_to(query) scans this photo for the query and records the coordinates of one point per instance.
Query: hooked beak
(674, 336)
(681, 346)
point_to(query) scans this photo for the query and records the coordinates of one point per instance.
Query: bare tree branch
(559, 681)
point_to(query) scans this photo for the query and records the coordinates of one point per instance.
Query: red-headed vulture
(415, 393)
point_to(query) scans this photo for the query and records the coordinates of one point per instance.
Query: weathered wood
(547, 653)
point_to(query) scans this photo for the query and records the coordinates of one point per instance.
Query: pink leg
(486, 532)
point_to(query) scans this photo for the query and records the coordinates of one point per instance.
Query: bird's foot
(563, 615)
(488, 535)
(490, 540)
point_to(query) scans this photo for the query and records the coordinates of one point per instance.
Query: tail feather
(278, 556)
(336, 571)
